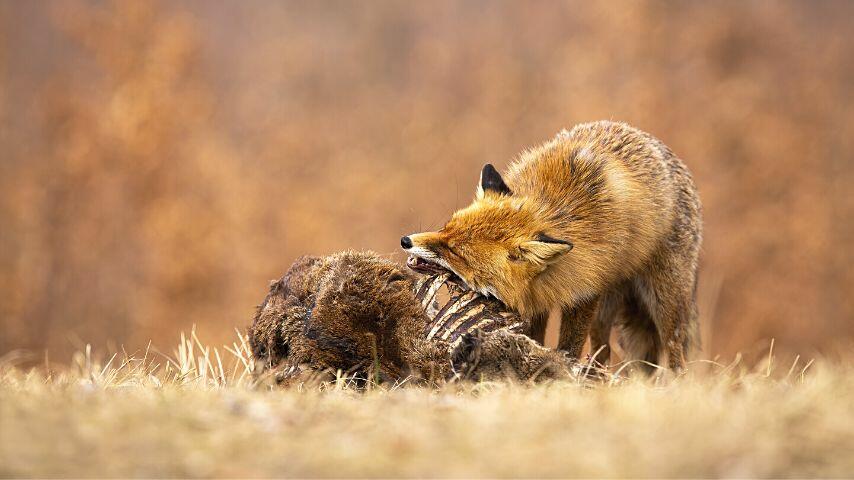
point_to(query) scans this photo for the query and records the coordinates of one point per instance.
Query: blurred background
(161, 162)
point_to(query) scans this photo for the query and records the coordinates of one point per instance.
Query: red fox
(602, 221)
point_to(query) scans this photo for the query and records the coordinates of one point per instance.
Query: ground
(195, 414)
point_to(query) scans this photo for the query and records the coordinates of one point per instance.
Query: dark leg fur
(600, 330)
(669, 300)
(575, 325)
(663, 298)
(538, 327)
(639, 337)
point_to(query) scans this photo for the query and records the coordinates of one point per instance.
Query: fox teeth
(489, 292)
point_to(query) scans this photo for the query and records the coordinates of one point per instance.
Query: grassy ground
(201, 413)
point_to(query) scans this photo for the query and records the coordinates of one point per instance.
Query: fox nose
(406, 243)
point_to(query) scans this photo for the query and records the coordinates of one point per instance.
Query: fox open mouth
(429, 266)
(423, 265)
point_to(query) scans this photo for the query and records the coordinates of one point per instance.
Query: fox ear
(491, 181)
(544, 250)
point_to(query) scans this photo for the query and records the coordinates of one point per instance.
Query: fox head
(498, 245)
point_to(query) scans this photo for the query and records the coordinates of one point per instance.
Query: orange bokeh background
(161, 162)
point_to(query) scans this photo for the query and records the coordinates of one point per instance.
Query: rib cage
(464, 311)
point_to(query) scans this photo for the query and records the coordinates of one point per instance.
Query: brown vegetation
(159, 163)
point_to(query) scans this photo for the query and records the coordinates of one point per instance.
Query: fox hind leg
(667, 292)
(638, 336)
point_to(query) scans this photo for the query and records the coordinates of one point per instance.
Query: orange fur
(604, 213)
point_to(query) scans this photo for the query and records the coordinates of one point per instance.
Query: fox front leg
(575, 325)
(538, 327)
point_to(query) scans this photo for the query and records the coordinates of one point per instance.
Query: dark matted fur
(358, 313)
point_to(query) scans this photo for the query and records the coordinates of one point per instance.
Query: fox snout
(419, 243)
(422, 258)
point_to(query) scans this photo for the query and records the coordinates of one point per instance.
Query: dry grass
(201, 412)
